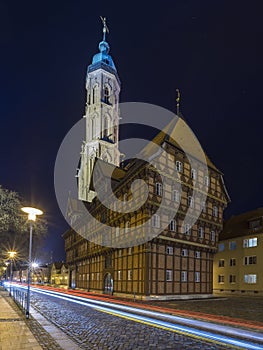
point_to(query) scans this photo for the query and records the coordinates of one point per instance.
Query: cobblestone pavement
(231, 305)
(92, 329)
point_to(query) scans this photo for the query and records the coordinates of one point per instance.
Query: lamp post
(11, 256)
(32, 214)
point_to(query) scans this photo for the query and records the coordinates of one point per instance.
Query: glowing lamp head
(11, 254)
(32, 212)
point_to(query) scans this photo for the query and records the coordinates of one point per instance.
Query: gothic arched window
(106, 94)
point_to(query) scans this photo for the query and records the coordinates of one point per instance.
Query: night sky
(211, 50)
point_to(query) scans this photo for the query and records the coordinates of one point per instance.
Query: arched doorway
(108, 284)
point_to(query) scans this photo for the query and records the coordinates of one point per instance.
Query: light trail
(167, 322)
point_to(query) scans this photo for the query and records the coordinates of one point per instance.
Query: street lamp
(32, 214)
(11, 256)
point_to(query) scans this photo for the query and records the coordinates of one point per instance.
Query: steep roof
(178, 133)
(238, 225)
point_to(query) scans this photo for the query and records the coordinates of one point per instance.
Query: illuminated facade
(179, 261)
(238, 263)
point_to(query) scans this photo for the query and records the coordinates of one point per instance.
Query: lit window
(169, 275)
(120, 253)
(215, 211)
(221, 279)
(250, 278)
(212, 236)
(250, 260)
(197, 276)
(156, 221)
(179, 166)
(193, 174)
(232, 278)
(221, 247)
(184, 252)
(129, 275)
(251, 242)
(198, 254)
(184, 276)
(130, 251)
(203, 206)
(159, 189)
(173, 225)
(221, 263)
(206, 181)
(232, 262)
(200, 232)
(175, 196)
(119, 275)
(169, 250)
(98, 276)
(232, 245)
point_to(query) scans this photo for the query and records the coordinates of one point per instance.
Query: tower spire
(105, 27)
(178, 98)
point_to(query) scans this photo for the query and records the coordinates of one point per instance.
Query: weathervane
(105, 27)
(178, 102)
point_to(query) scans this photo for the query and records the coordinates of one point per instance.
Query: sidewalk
(18, 333)
(14, 332)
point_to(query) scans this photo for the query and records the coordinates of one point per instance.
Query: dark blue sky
(211, 50)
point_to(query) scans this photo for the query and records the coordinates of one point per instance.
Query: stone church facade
(176, 262)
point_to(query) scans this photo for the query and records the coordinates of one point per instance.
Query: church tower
(102, 117)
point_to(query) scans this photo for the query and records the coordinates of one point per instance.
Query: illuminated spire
(178, 98)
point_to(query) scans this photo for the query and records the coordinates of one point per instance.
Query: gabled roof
(238, 225)
(178, 133)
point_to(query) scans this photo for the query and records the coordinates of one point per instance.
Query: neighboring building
(40, 274)
(179, 261)
(239, 261)
(59, 274)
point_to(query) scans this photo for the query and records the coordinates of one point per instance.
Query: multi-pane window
(203, 206)
(212, 236)
(252, 278)
(156, 221)
(197, 276)
(119, 275)
(186, 228)
(190, 201)
(232, 262)
(175, 196)
(221, 263)
(232, 278)
(169, 275)
(250, 260)
(159, 189)
(215, 211)
(183, 276)
(172, 225)
(250, 242)
(130, 251)
(193, 174)
(129, 275)
(198, 254)
(221, 247)
(169, 250)
(179, 166)
(184, 252)
(232, 245)
(206, 181)
(200, 232)
(221, 279)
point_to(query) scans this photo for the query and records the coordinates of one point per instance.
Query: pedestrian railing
(19, 295)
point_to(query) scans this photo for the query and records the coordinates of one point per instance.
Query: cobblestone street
(93, 329)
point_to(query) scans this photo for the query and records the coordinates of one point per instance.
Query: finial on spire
(178, 98)
(105, 27)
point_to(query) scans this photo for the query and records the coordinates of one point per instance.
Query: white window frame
(232, 262)
(250, 278)
(197, 276)
(156, 221)
(250, 242)
(159, 189)
(201, 232)
(221, 263)
(175, 196)
(184, 276)
(119, 275)
(172, 225)
(197, 254)
(184, 252)
(129, 275)
(206, 180)
(215, 211)
(221, 279)
(169, 250)
(179, 166)
(212, 235)
(193, 174)
(169, 275)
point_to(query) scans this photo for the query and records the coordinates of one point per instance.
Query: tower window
(106, 95)
(159, 189)
(173, 225)
(179, 166)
